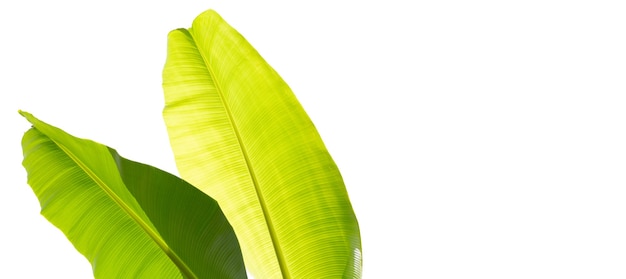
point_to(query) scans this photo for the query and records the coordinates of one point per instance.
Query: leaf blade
(132, 228)
(234, 116)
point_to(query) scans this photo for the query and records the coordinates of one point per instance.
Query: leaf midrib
(270, 226)
(184, 269)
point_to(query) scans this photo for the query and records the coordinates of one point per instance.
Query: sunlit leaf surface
(240, 135)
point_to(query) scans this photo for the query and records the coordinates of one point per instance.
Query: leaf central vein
(275, 243)
(185, 270)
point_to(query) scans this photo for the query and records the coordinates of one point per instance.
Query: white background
(477, 139)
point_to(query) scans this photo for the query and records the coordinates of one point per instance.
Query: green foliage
(130, 220)
(239, 135)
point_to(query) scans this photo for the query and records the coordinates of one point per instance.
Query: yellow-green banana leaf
(128, 219)
(240, 135)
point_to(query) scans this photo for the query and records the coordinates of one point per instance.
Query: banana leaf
(240, 135)
(128, 219)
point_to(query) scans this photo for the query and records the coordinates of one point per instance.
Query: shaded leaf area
(128, 219)
(240, 135)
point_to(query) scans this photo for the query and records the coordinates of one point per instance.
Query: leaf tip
(176, 31)
(26, 115)
(210, 12)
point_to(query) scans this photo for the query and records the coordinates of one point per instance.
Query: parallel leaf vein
(185, 270)
(265, 210)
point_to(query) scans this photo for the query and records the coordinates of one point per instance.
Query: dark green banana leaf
(128, 219)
